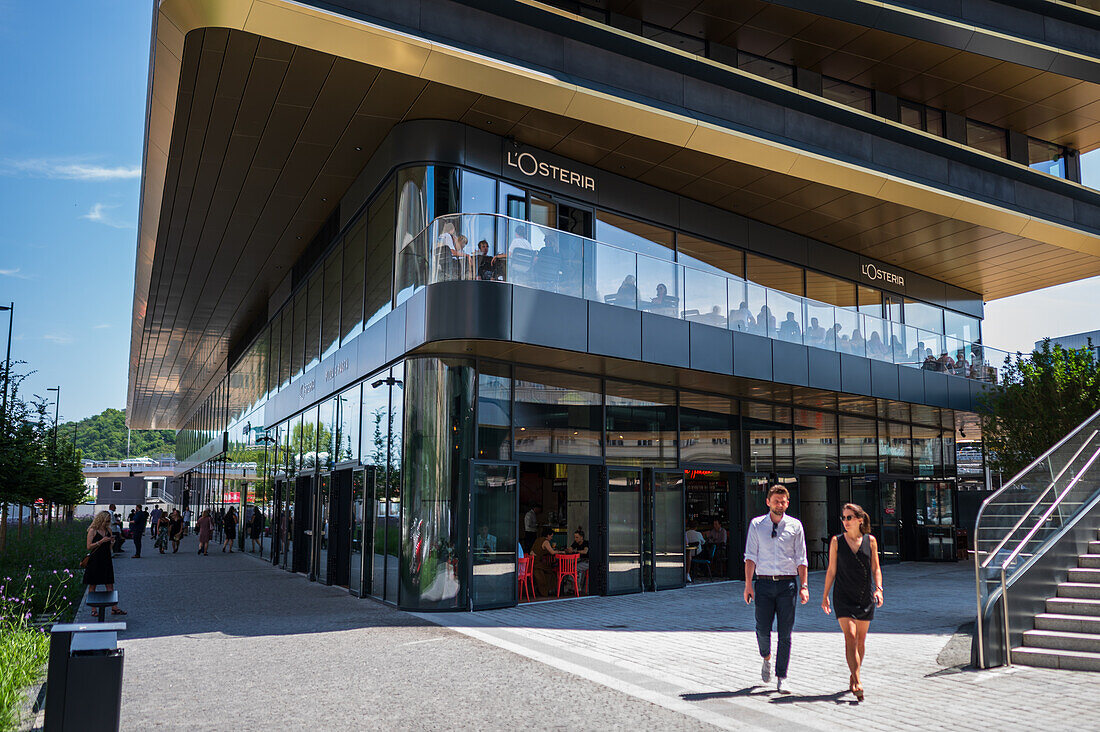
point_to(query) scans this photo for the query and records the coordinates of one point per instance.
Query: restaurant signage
(532, 167)
(876, 274)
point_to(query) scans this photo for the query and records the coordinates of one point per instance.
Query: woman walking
(854, 565)
(100, 569)
(256, 529)
(229, 523)
(163, 531)
(175, 529)
(206, 531)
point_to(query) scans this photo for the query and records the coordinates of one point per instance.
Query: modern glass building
(417, 278)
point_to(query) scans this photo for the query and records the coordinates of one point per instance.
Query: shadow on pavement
(835, 697)
(709, 695)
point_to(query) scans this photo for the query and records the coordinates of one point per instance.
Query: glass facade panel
(849, 338)
(299, 334)
(347, 436)
(637, 236)
(380, 259)
(709, 429)
(413, 214)
(787, 310)
(494, 411)
(815, 440)
(962, 327)
(774, 70)
(439, 434)
(847, 94)
(351, 292)
(927, 451)
(330, 319)
(759, 425)
(312, 353)
(820, 325)
(774, 274)
(923, 316)
(761, 322)
(359, 506)
(668, 529)
(1047, 157)
(624, 531)
(992, 140)
(558, 413)
(706, 255)
(705, 298)
(374, 453)
(858, 447)
(641, 425)
(659, 287)
(830, 290)
(877, 333)
(870, 301)
(610, 276)
(899, 450)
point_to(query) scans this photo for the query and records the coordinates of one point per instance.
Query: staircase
(1067, 635)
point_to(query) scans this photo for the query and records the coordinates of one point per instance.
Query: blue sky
(71, 126)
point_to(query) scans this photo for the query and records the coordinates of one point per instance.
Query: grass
(40, 583)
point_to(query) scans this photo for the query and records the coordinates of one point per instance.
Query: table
(101, 601)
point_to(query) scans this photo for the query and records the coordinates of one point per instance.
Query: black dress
(100, 569)
(853, 591)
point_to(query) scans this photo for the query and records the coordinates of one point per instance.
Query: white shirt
(530, 521)
(691, 536)
(782, 555)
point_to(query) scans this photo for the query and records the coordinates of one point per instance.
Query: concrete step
(1088, 575)
(1062, 640)
(1087, 590)
(1054, 658)
(1089, 560)
(1094, 547)
(1068, 623)
(1073, 606)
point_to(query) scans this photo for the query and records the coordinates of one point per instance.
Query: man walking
(154, 517)
(186, 521)
(137, 528)
(775, 558)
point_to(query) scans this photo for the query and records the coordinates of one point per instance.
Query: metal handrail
(994, 550)
(979, 565)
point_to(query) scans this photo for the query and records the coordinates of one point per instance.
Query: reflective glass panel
(494, 411)
(708, 429)
(358, 526)
(774, 274)
(636, 236)
(624, 560)
(351, 293)
(709, 256)
(330, 308)
(493, 523)
(659, 287)
(819, 320)
(858, 449)
(611, 276)
(787, 309)
(641, 424)
(557, 413)
(312, 353)
(815, 440)
(668, 529)
(412, 216)
(377, 290)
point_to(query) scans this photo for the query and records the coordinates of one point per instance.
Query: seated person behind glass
(694, 541)
(580, 545)
(663, 302)
(741, 318)
(627, 294)
(484, 544)
(789, 329)
(488, 266)
(543, 552)
(717, 535)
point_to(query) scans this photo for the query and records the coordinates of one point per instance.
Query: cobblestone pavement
(694, 651)
(229, 642)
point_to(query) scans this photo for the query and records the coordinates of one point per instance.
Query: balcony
(496, 248)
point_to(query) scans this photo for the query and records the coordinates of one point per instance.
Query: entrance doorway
(645, 542)
(714, 511)
(493, 496)
(302, 530)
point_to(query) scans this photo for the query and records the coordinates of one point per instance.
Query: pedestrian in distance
(162, 531)
(854, 566)
(138, 520)
(100, 569)
(219, 522)
(206, 532)
(116, 545)
(154, 521)
(186, 521)
(775, 576)
(229, 526)
(256, 530)
(175, 529)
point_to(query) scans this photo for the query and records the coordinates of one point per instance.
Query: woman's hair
(580, 531)
(546, 532)
(864, 519)
(102, 520)
(206, 512)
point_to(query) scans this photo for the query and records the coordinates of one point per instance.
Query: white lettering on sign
(336, 370)
(532, 167)
(872, 272)
(307, 389)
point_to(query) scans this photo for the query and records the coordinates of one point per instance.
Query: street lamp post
(56, 407)
(7, 358)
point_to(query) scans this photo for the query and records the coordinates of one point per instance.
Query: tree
(1040, 399)
(104, 436)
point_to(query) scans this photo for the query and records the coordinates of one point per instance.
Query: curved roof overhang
(167, 342)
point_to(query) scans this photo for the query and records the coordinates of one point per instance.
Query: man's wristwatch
(805, 586)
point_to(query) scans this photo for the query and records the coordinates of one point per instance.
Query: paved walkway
(228, 641)
(694, 650)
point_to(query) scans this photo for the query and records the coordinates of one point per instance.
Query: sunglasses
(847, 518)
(774, 527)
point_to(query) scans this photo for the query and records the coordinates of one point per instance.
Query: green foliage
(39, 582)
(103, 437)
(1041, 398)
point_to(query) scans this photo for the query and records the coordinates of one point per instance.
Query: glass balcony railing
(496, 248)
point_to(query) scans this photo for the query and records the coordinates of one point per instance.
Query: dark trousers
(117, 547)
(775, 601)
(136, 535)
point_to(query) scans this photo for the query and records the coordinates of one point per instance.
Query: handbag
(85, 560)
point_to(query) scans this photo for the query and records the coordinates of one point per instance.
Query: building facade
(417, 280)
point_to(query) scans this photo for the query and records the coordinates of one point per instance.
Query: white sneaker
(779, 685)
(766, 670)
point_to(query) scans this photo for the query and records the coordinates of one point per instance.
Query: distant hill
(103, 437)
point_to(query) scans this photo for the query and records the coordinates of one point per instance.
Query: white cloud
(67, 170)
(13, 273)
(100, 213)
(59, 339)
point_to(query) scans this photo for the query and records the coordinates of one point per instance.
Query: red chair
(567, 567)
(526, 578)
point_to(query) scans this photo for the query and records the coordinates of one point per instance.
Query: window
(636, 236)
(351, 307)
(299, 333)
(1047, 157)
(992, 140)
(849, 94)
(313, 320)
(773, 274)
(681, 41)
(760, 66)
(379, 272)
(923, 316)
(116, 486)
(830, 290)
(330, 309)
(557, 413)
(911, 115)
(703, 254)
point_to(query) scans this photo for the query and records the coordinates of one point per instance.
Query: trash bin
(84, 678)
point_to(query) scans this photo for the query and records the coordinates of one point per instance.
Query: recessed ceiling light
(323, 198)
(299, 237)
(358, 149)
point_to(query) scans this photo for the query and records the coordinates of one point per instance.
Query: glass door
(664, 547)
(493, 532)
(356, 528)
(321, 528)
(889, 537)
(624, 530)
